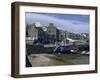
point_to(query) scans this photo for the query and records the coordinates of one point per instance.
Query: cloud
(68, 25)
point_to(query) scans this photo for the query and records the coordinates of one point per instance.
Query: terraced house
(44, 34)
(38, 33)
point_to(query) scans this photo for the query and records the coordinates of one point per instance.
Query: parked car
(84, 47)
(64, 49)
(85, 52)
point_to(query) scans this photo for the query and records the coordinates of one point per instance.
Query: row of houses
(48, 34)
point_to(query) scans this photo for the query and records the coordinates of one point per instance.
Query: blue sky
(67, 22)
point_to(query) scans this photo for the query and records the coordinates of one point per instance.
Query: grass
(74, 59)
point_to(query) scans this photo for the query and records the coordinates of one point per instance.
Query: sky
(67, 22)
